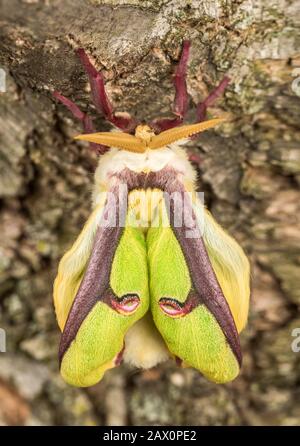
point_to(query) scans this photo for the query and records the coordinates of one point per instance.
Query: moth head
(144, 132)
(145, 138)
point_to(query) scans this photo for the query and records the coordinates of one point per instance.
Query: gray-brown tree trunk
(249, 172)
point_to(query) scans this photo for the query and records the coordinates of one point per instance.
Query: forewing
(113, 294)
(230, 265)
(73, 265)
(188, 305)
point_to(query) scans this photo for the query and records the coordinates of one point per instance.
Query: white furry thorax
(115, 161)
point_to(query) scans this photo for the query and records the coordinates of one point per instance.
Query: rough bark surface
(250, 172)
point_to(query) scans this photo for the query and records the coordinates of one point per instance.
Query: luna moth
(136, 286)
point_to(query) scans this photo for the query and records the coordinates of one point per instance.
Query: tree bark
(249, 170)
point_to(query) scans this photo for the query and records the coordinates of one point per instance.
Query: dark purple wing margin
(206, 289)
(95, 285)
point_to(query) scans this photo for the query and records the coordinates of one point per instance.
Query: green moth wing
(230, 265)
(108, 302)
(188, 304)
(73, 265)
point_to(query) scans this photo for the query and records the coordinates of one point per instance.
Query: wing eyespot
(126, 304)
(171, 307)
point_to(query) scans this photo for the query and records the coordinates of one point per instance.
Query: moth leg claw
(211, 98)
(86, 120)
(181, 100)
(100, 97)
